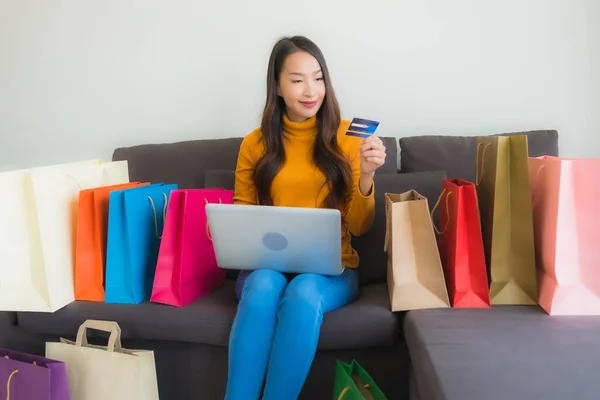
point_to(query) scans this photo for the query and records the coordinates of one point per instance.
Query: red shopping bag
(461, 245)
(187, 267)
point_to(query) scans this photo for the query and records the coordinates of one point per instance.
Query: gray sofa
(426, 354)
(190, 343)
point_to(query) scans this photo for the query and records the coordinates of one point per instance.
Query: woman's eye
(296, 81)
(320, 79)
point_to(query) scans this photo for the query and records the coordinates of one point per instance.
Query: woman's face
(302, 86)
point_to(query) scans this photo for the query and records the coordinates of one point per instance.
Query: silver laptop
(284, 239)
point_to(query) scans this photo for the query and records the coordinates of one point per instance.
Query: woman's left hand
(372, 155)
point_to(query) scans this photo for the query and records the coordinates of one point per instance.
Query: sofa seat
(507, 352)
(363, 324)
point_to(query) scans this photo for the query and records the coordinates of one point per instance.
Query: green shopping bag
(352, 382)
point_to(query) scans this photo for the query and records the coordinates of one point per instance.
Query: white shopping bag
(38, 210)
(111, 372)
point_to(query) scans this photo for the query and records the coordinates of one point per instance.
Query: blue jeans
(276, 330)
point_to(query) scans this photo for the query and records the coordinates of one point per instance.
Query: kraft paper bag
(415, 277)
(38, 210)
(353, 382)
(504, 194)
(566, 219)
(105, 372)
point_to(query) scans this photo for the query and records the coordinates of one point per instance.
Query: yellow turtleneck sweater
(299, 183)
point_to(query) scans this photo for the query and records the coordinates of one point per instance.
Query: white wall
(80, 77)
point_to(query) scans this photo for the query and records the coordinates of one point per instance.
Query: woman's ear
(278, 90)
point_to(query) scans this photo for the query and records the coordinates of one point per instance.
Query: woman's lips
(309, 104)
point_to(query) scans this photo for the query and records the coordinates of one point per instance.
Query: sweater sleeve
(359, 211)
(245, 190)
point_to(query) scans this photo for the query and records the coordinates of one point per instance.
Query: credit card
(362, 128)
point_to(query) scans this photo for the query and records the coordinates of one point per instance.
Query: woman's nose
(309, 89)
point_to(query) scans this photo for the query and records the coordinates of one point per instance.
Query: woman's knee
(264, 282)
(305, 290)
(321, 293)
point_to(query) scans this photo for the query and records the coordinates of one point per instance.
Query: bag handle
(16, 371)
(478, 171)
(207, 227)
(535, 192)
(75, 181)
(114, 341)
(437, 203)
(388, 223)
(154, 212)
(347, 389)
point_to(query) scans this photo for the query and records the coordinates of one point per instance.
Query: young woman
(299, 157)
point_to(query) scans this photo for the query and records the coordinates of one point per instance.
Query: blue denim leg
(240, 282)
(252, 333)
(301, 310)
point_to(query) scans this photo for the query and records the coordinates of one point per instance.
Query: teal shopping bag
(135, 221)
(352, 382)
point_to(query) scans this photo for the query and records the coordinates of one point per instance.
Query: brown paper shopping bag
(504, 195)
(415, 276)
(105, 372)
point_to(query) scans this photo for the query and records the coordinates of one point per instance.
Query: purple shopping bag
(30, 377)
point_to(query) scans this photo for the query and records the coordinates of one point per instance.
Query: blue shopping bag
(135, 222)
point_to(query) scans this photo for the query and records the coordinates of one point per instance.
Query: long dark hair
(327, 154)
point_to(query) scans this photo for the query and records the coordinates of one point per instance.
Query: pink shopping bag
(187, 268)
(565, 195)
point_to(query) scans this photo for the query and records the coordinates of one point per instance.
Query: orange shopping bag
(90, 243)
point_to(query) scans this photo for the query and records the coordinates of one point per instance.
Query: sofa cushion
(183, 163)
(502, 353)
(373, 258)
(365, 323)
(457, 154)
(8, 328)
(391, 161)
(220, 179)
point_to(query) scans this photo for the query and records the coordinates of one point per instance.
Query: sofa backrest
(187, 163)
(184, 163)
(457, 154)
